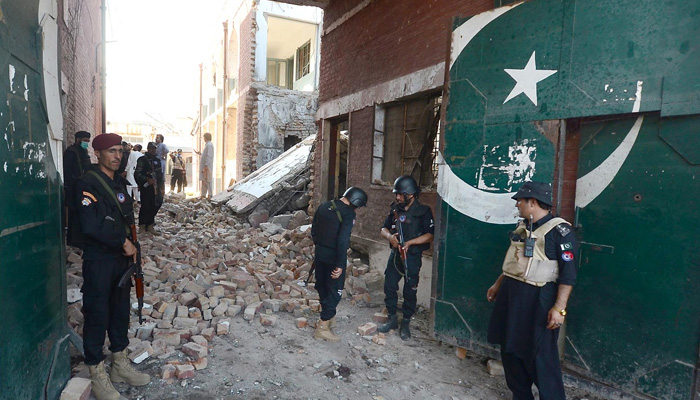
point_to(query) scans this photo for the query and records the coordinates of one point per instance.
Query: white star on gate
(526, 79)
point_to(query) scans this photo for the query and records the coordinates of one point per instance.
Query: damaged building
(381, 82)
(260, 88)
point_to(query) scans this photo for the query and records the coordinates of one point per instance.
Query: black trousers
(395, 271)
(177, 178)
(149, 208)
(105, 307)
(544, 371)
(329, 290)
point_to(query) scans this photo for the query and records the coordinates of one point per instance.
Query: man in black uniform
(330, 231)
(106, 213)
(415, 220)
(539, 272)
(125, 158)
(149, 177)
(75, 162)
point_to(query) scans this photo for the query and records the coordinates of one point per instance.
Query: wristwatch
(562, 311)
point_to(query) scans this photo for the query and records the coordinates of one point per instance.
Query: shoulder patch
(567, 256)
(90, 195)
(564, 229)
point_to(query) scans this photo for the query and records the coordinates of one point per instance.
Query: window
(303, 60)
(406, 141)
(278, 72)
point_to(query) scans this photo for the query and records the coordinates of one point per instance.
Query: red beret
(106, 140)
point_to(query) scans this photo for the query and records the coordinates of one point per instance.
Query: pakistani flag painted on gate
(511, 69)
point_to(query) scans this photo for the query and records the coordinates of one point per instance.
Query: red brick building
(381, 79)
(81, 81)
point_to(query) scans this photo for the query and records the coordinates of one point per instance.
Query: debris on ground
(196, 284)
(227, 316)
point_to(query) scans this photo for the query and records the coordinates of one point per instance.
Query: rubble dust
(227, 318)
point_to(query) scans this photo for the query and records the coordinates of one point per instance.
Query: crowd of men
(530, 295)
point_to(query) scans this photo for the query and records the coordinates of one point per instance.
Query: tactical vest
(411, 224)
(536, 270)
(325, 232)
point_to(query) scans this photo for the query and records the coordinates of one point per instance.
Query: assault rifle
(403, 251)
(136, 272)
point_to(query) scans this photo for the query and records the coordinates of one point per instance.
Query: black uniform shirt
(417, 221)
(560, 244)
(75, 162)
(148, 167)
(101, 221)
(331, 236)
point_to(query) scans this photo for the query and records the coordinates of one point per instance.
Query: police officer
(415, 221)
(330, 230)
(106, 213)
(538, 275)
(76, 161)
(149, 176)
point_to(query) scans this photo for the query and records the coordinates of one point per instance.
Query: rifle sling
(114, 197)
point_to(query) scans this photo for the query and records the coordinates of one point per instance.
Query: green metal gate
(34, 361)
(626, 72)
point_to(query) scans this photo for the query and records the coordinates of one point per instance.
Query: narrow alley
(228, 317)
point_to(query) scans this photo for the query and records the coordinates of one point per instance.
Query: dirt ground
(285, 362)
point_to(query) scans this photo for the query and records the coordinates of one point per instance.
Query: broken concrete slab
(281, 174)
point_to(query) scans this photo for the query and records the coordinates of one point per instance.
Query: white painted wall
(307, 14)
(48, 13)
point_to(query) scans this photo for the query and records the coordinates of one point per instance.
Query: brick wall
(284, 113)
(369, 218)
(385, 40)
(246, 152)
(81, 34)
(571, 155)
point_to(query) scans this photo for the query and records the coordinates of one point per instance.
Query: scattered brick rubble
(208, 267)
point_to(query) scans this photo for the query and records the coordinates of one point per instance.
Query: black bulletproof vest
(327, 225)
(411, 223)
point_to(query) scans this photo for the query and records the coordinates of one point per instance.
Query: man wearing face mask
(75, 162)
(415, 221)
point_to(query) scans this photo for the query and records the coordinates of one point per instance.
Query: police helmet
(535, 190)
(356, 196)
(406, 185)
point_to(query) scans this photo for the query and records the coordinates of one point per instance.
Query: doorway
(338, 157)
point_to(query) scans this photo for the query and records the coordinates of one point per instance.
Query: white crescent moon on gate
(499, 208)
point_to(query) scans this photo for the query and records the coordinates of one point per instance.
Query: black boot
(392, 323)
(405, 332)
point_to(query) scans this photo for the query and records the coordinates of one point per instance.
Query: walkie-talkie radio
(530, 241)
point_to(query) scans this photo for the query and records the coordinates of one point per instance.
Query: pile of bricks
(206, 268)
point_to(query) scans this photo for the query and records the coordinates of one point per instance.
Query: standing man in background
(206, 167)
(178, 171)
(125, 159)
(75, 162)
(162, 153)
(148, 175)
(133, 187)
(331, 228)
